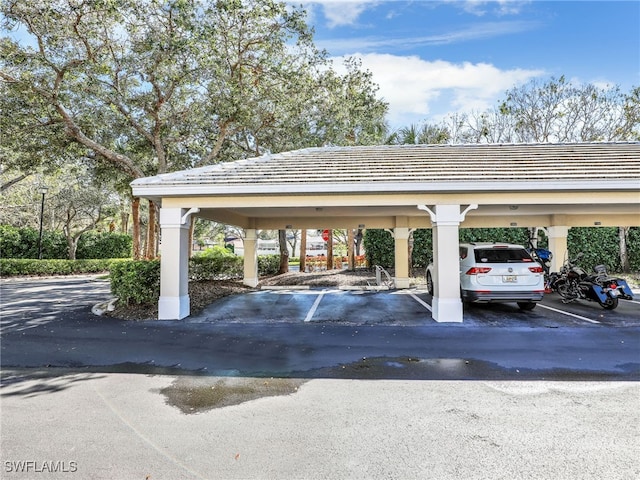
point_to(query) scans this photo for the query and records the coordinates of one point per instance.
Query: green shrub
(268, 264)
(23, 243)
(422, 247)
(104, 245)
(136, 281)
(11, 267)
(633, 248)
(379, 247)
(599, 245)
(215, 262)
(519, 236)
(10, 242)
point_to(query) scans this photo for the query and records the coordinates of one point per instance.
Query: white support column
(558, 246)
(446, 304)
(401, 237)
(251, 278)
(445, 220)
(174, 264)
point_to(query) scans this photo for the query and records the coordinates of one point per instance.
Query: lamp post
(43, 191)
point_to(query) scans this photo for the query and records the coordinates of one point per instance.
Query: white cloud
(419, 90)
(340, 12)
(346, 12)
(497, 7)
(467, 34)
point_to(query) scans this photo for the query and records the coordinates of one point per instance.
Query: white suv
(497, 272)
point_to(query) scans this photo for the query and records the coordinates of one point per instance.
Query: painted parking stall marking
(420, 301)
(314, 307)
(580, 317)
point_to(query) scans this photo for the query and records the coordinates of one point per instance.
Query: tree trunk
(135, 220)
(72, 246)
(303, 250)
(152, 250)
(410, 252)
(330, 251)
(13, 181)
(284, 252)
(359, 236)
(623, 233)
(124, 222)
(350, 246)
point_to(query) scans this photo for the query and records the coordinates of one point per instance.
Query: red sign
(325, 235)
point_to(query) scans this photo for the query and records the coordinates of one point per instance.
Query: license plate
(509, 279)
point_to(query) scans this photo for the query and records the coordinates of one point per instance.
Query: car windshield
(502, 255)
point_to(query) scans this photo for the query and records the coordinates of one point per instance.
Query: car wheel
(527, 305)
(429, 284)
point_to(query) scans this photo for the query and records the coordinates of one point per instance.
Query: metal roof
(386, 168)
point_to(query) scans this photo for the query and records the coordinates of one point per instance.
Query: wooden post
(303, 250)
(330, 251)
(350, 247)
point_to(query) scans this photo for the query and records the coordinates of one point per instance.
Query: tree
(20, 204)
(149, 87)
(559, 111)
(551, 111)
(415, 134)
(77, 204)
(284, 252)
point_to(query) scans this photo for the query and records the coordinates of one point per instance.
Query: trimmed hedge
(379, 248)
(215, 263)
(104, 245)
(23, 243)
(136, 281)
(268, 264)
(11, 267)
(600, 245)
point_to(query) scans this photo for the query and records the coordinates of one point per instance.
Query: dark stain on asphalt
(199, 394)
(412, 368)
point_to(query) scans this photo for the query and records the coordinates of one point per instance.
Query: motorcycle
(542, 256)
(573, 283)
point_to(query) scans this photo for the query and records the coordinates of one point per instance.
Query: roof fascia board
(165, 190)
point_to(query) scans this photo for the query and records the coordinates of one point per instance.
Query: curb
(375, 288)
(284, 287)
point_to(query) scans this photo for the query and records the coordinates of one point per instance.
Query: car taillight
(537, 269)
(477, 270)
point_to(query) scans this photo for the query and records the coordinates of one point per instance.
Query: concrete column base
(250, 282)
(402, 282)
(447, 310)
(173, 308)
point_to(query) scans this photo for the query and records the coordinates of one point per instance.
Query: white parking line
(314, 307)
(421, 302)
(567, 313)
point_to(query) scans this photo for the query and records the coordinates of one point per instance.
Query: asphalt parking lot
(321, 384)
(319, 333)
(409, 307)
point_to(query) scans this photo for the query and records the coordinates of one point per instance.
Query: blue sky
(432, 58)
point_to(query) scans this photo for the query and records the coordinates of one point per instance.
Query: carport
(399, 188)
